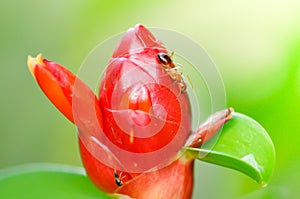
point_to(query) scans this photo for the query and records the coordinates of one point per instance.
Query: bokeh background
(255, 44)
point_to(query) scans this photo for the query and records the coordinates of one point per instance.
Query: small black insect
(118, 180)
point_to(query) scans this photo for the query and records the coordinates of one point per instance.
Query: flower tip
(230, 112)
(139, 26)
(228, 115)
(33, 61)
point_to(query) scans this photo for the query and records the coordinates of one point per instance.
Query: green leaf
(47, 181)
(243, 145)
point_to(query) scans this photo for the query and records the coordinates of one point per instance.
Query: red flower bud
(142, 109)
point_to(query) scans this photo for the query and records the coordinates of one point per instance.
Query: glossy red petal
(55, 93)
(59, 85)
(141, 75)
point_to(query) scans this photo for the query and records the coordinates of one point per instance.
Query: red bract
(142, 109)
(135, 81)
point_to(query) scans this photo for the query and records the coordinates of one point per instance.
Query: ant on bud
(117, 178)
(171, 70)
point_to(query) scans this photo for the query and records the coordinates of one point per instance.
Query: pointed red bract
(135, 70)
(58, 85)
(55, 81)
(63, 88)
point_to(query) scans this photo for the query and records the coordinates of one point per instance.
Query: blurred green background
(255, 44)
